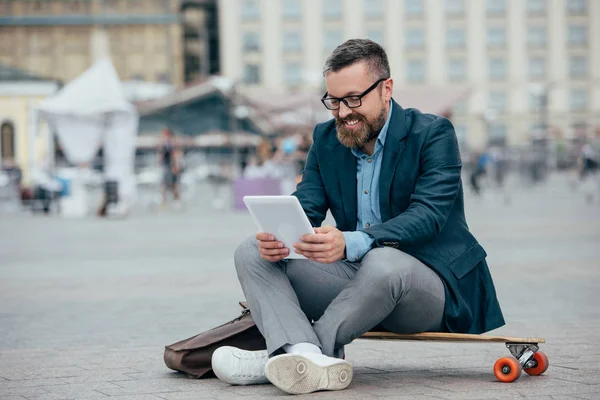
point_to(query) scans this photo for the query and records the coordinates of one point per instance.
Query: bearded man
(401, 257)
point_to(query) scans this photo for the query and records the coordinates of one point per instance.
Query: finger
(275, 252)
(313, 247)
(323, 260)
(270, 245)
(314, 255)
(324, 229)
(265, 237)
(316, 238)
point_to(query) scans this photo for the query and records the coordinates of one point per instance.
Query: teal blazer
(422, 208)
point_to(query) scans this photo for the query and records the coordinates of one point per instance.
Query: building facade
(528, 63)
(62, 38)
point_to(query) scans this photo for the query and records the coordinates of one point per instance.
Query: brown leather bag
(193, 355)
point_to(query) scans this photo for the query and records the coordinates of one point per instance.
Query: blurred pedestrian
(171, 162)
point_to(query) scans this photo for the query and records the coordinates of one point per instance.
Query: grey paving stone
(31, 383)
(568, 390)
(109, 295)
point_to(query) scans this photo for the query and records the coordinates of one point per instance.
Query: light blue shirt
(368, 170)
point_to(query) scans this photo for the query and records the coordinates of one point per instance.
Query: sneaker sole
(296, 374)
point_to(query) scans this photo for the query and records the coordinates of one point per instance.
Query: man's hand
(270, 249)
(327, 245)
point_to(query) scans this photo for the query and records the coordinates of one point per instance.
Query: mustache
(351, 117)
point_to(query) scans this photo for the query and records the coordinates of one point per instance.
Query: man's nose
(344, 110)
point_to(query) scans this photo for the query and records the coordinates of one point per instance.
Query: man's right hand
(270, 249)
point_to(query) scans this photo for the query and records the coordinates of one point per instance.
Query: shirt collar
(380, 138)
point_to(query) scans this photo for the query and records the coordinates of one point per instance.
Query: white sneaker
(240, 367)
(308, 372)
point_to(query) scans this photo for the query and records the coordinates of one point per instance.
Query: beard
(368, 130)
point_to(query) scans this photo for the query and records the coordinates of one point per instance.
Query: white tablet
(281, 216)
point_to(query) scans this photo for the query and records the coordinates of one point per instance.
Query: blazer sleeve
(436, 189)
(310, 191)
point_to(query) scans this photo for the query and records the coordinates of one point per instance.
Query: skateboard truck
(524, 353)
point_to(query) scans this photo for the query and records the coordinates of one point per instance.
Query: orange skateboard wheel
(542, 364)
(507, 369)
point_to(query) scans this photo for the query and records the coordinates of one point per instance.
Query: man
(401, 257)
(170, 161)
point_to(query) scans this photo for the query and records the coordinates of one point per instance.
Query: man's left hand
(326, 245)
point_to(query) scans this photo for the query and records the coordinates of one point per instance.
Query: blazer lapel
(392, 150)
(345, 164)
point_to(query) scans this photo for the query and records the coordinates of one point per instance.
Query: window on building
(578, 100)
(76, 7)
(497, 134)
(414, 8)
(497, 101)
(537, 68)
(6, 7)
(577, 35)
(332, 39)
(373, 8)
(250, 10)
(455, 38)
(293, 74)
(496, 37)
(292, 41)
(495, 7)
(577, 7)
(332, 9)
(292, 9)
(37, 6)
(375, 35)
(536, 36)
(163, 77)
(415, 71)
(536, 102)
(251, 41)
(578, 67)
(456, 70)
(497, 68)
(536, 7)
(7, 140)
(455, 8)
(252, 74)
(415, 39)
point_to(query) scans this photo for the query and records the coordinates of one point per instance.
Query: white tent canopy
(91, 111)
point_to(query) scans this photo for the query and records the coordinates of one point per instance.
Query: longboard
(525, 350)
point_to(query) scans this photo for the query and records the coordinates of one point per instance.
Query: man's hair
(355, 50)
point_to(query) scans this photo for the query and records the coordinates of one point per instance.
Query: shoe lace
(252, 364)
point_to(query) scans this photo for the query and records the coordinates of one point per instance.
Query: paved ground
(86, 306)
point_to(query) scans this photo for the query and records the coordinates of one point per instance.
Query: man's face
(357, 126)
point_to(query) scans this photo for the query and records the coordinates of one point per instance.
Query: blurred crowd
(282, 159)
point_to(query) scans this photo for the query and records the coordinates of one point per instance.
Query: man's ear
(389, 89)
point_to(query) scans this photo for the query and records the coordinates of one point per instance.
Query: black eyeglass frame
(358, 96)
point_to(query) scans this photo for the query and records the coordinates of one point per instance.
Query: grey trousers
(330, 305)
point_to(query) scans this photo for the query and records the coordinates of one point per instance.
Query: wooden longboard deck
(442, 336)
(450, 337)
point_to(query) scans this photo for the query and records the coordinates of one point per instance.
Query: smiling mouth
(351, 122)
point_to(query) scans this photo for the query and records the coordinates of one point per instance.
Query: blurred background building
(61, 38)
(229, 75)
(528, 63)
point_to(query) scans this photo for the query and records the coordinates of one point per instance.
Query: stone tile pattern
(86, 306)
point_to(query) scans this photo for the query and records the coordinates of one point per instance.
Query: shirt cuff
(357, 245)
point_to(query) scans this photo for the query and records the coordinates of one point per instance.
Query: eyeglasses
(354, 101)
